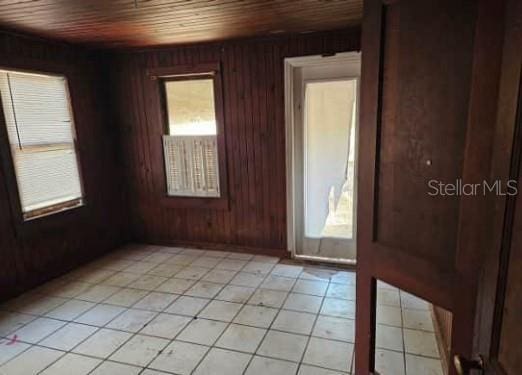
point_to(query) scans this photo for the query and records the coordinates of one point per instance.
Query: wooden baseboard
(280, 253)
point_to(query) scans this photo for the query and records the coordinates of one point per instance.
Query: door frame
(291, 64)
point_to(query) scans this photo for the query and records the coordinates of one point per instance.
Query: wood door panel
(425, 93)
(510, 350)
(428, 102)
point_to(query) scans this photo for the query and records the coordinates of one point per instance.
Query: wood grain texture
(442, 321)
(33, 252)
(427, 112)
(119, 23)
(253, 98)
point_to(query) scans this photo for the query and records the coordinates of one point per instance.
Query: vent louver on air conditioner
(191, 165)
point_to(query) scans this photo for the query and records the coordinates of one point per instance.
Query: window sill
(53, 210)
(221, 203)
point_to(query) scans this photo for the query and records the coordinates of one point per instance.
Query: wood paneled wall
(253, 83)
(33, 252)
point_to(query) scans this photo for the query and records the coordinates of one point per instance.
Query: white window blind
(191, 164)
(190, 146)
(41, 134)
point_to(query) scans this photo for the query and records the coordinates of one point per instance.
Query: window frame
(160, 125)
(52, 215)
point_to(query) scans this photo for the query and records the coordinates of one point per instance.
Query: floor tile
(176, 286)
(121, 279)
(388, 297)
(179, 357)
(265, 259)
(247, 279)
(269, 298)
(70, 310)
(97, 293)
(417, 319)
(186, 305)
(166, 326)
(132, 320)
(409, 301)
(182, 259)
(31, 362)
(223, 362)
(139, 350)
(341, 291)
(202, 331)
(166, 270)
(287, 270)
(283, 345)
(220, 310)
(339, 308)
(422, 366)
(72, 289)
(334, 328)
(38, 329)
(256, 316)
(388, 362)
(303, 302)
(258, 268)
(231, 264)
(267, 366)
(204, 289)
(126, 297)
(217, 253)
(96, 276)
(241, 338)
(12, 321)
(10, 349)
(387, 337)
(156, 301)
(294, 322)
(316, 288)
(113, 368)
(237, 294)
(219, 276)
(192, 273)
(312, 370)
(389, 315)
(140, 267)
(148, 282)
(316, 274)
(103, 343)
(194, 253)
(207, 262)
(278, 283)
(158, 258)
(240, 256)
(421, 343)
(338, 355)
(343, 277)
(81, 365)
(100, 315)
(68, 336)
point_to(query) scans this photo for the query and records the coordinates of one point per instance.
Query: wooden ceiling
(139, 23)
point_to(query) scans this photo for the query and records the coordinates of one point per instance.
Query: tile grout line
(127, 308)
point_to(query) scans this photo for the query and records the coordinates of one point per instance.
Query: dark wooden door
(429, 99)
(498, 326)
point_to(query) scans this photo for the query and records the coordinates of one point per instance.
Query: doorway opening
(321, 124)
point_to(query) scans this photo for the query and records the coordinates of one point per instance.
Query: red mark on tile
(13, 340)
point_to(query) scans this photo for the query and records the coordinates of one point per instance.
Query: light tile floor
(153, 310)
(405, 338)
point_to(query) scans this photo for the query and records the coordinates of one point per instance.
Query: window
(190, 143)
(40, 131)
